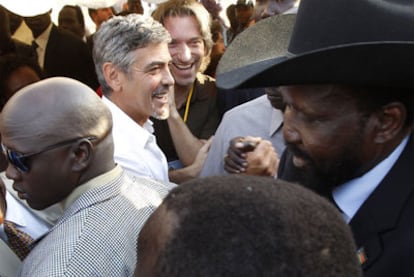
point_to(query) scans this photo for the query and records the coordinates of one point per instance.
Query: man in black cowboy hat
(347, 82)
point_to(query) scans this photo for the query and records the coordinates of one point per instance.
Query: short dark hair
(8, 64)
(79, 14)
(371, 99)
(242, 225)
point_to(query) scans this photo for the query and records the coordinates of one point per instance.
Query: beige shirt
(93, 183)
(42, 43)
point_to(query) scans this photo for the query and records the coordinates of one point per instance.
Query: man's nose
(168, 79)
(290, 132)
(12, 172)
(184, 52)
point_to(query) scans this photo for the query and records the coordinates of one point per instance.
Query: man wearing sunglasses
(65, 156)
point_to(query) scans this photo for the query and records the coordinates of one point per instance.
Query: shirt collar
(42, 39)
(351, 195)
(96, 182)
(142, 133)
(13, 205)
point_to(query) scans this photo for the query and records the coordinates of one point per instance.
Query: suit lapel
(380, 212)
(50, 52)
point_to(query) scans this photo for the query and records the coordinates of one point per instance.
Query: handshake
(252, 156)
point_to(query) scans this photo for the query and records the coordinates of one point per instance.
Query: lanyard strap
(187, 104)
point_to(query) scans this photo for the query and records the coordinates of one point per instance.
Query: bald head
(58, 108)
(58, 135)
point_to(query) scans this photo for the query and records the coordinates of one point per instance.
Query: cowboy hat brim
(356, 64)
(366, 43)
(249, 52)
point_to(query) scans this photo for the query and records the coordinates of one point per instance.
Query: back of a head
(63, 108)
(71, 18)
(16, 71)
(251, 226)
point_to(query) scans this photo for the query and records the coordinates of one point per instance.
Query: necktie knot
(34, 45)
(18, 240)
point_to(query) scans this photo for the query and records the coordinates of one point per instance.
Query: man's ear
(111, 75)
(82, 152)
(391, 121)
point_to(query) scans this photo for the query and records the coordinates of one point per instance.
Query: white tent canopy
(35, 7)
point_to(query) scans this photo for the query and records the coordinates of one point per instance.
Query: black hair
(79, 14)
(8, 64)
(254, 226)
(371, 99)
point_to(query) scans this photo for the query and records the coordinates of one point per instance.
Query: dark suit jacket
(67, 55)
(383, 227)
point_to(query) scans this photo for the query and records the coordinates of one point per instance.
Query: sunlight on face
(160, 110)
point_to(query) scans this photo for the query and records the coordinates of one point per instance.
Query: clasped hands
(252, 156)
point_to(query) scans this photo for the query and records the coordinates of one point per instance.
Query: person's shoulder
(67, 36)
(205, 79)
(205, 87)
(147, 187)
(251, 106)
(206, 82)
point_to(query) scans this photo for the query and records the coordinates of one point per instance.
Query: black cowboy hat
(356, 42)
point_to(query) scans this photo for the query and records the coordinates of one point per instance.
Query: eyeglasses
(20, 160)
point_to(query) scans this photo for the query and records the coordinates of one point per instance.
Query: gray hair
(119, 36)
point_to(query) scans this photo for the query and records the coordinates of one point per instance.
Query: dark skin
(15, 21)
(332, 139)
(70, 165)
(247, 154)
(68, 20)
(135, 6)
(38, 24)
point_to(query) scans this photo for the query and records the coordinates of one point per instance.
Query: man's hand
(251, 155)
(192, 171)
(171, 103)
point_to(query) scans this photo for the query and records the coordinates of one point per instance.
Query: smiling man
(132, 58)
(188, 23)
(66, 157)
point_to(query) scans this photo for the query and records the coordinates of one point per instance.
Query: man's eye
(154, 70)
(196, 42)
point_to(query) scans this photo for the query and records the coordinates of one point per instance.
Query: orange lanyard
(187, 104)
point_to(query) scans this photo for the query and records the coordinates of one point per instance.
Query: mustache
(297, 152)
(161, 91)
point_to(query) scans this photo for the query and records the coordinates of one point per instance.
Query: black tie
(34, 47)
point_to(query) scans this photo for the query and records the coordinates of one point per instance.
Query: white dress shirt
(136, 149)
(350, 196)
(41, 41)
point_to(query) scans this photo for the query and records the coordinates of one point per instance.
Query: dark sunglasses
(20, 160)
